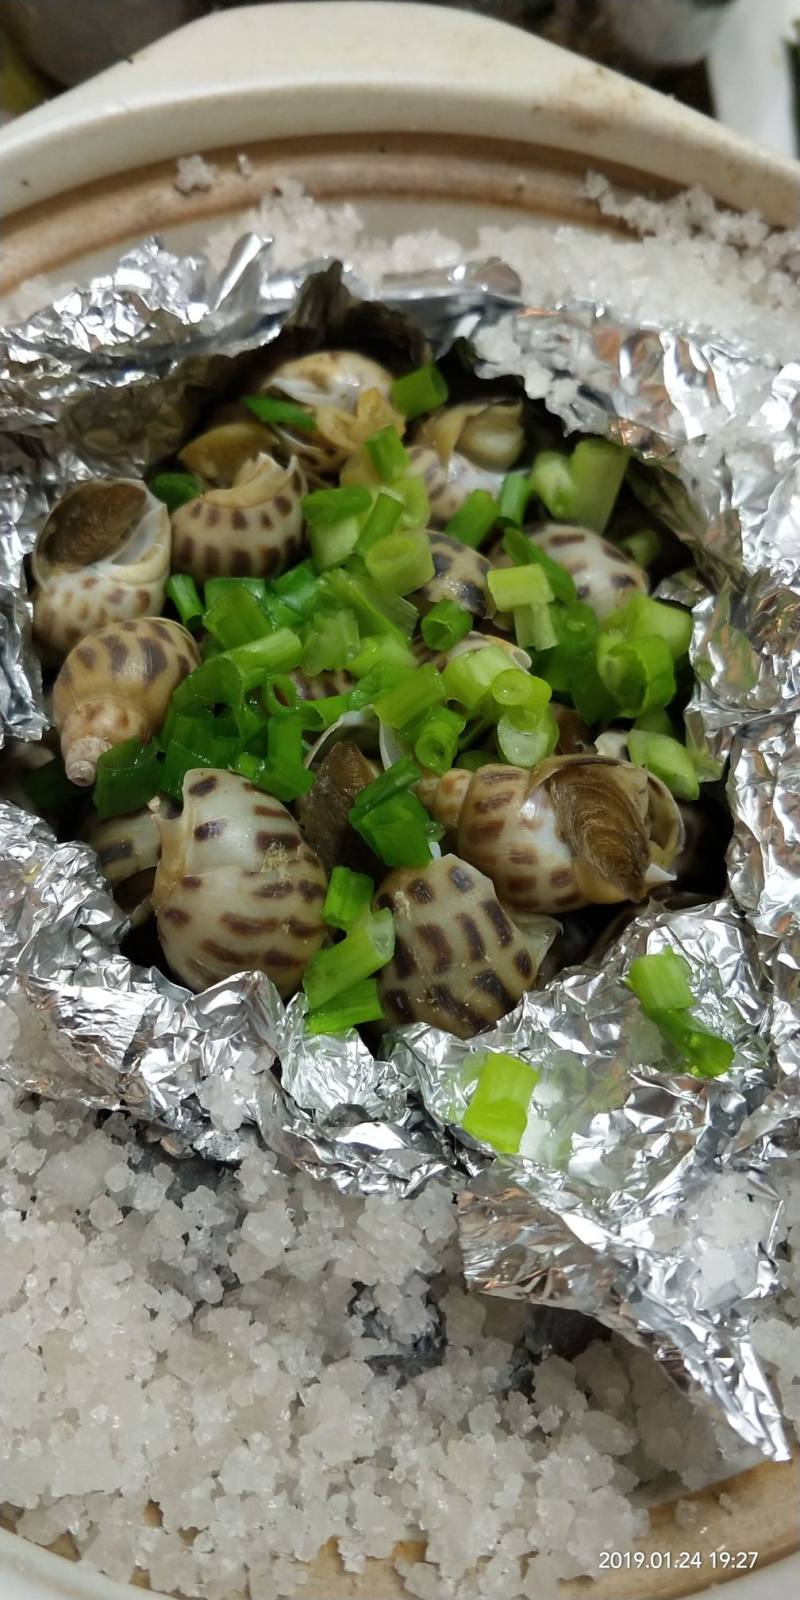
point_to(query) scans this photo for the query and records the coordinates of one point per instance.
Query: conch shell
(237, 889)
(460, 574)
(576, 831)
(116, 685)
(465, 447)
(348, 394)
(459, 960)
(102, 556)
(253, 528)
(128, 848)
(219, 454)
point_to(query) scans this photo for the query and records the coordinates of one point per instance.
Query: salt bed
(228, 1345)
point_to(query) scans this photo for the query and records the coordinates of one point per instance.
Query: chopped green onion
(382, 520)
(583, 487)
(216, 682)
(419, 691)
(127, 777)
(474, 519)
(278, 652)
(498, 1112)
(445, 624)
(638, 674)
(349, 896)
(215, 587)
(182, 591)
(657, 721)
(388, 454)
(401, 775)
(515, 689)
(419, 391)
(332, 543)
(286, 783)
(513, 498)
(325, 508)
(469, 677)
(524, 552)
(668, 760)
(437, 739)
(401, 563)
(48, 788)
(378, 682)
(705, 1053)
(398, 830)
(318, 715)
(413, 495)
(524, 738)
(661, 982)
(332, 641)
(268, 408)
(643, 618)
(365, 949)
(377, 612)
(175, 488)
(361, 1003)
(533, 625)
(279, 695)
(298, 590)
(382, 650)
(236, 618)
(194, 741)
(643, 547)
(519, 586)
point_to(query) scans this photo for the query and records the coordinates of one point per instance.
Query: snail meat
(576, 831)
(102, 556)
(116, 685)
(323, 812)
(237, 888)
(252, 529)
(459, 960)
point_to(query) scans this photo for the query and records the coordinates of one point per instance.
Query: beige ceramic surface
(440, 120)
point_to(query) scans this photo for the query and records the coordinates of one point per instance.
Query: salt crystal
(193, 172)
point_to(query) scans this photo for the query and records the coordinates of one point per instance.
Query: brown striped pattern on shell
(116, 685)
(102, 556)
(253, 529)
(573, 832)
(604, 576)
(460, 962)
(459, 574)
(128, 848)
(237, 888)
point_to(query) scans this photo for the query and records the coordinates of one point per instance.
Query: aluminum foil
(631, 1169)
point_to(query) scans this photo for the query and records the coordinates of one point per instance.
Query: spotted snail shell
(116, 685)
(128, 848)
(103, 555)
(576, 831)
(459, 961)
(467, 646)
(219, 454)
(237, 889)
(460, 574)
(466, 447)
(604, 576)
(253, 528)
(349, 396)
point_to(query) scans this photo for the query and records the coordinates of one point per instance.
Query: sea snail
(128, 848)
(116, 685)
(236, 888)
(219, 454)
(102, 556)
(460, 574)
(604, 576)
(467, 646)
(348, 394)
(466, 447)
(459, 961)
(576, 831)
(253, 528)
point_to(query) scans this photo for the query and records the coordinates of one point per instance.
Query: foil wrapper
(618, 1205)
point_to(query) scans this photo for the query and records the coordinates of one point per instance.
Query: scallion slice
(445, 624)
(269, 408)
(668, 760)
(183, 592)
(281, 651)
(419, 691)
(418, 392)
(175, 488)
(661, 981)
(349, 896)
(524, 738)
(511, 587)
(364, 950)
(388, 454)
(236, 618)
(437, 738)
(474, 519)
(401, 563)
(498, 1112)
(354, 1006)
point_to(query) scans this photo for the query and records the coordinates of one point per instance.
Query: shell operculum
(600, 810)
